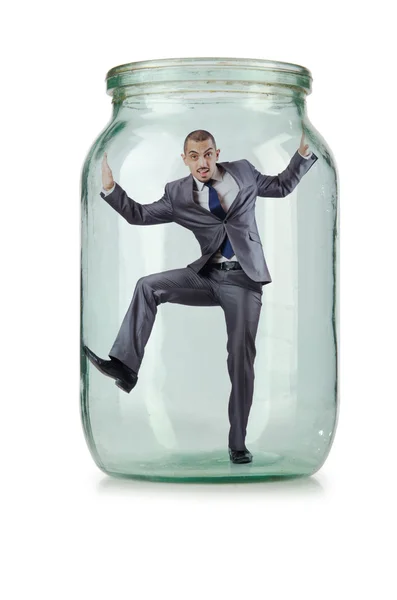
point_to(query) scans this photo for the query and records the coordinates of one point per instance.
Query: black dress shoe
(125, 377)
(240, 456)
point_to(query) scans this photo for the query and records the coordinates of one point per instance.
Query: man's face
(201, 159)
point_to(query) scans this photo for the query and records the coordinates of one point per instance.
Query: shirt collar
(218, 176)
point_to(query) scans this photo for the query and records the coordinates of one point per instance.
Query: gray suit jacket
(177, 205)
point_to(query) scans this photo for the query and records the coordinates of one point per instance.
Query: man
(217, 203)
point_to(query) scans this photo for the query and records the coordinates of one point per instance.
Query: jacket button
(225, 221)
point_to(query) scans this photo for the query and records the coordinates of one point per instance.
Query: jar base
(211, 467)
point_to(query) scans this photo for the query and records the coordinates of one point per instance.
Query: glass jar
(188, 366)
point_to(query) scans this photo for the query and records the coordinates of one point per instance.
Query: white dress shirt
(226, 188)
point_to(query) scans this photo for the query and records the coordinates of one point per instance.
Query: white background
(68, 530)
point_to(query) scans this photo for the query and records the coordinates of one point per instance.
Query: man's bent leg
(179, 286)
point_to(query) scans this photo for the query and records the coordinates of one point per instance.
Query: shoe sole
(123, 386)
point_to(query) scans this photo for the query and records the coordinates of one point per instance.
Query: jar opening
(206, 74)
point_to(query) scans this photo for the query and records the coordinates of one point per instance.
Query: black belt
(226, 265)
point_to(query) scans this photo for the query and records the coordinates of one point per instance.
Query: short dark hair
(199, 135)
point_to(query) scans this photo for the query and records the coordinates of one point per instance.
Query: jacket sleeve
(278, 186)
(140, 214)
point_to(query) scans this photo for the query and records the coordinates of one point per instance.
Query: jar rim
(209, 69)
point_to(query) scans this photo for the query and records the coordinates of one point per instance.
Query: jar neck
(274, 99)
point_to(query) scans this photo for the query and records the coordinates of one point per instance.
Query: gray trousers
(241, 300)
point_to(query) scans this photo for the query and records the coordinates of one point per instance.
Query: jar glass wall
(174, 424)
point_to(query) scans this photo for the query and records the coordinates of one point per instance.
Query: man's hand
(107, 177)
(303, 147)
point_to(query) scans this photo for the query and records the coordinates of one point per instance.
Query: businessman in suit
(217, 203)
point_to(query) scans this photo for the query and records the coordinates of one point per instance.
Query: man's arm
(139, 214)
(279, 186)
(107, 192)
(305, 155)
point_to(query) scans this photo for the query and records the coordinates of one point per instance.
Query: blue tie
(216, 208)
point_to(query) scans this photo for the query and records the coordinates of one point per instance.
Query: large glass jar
(244, 356)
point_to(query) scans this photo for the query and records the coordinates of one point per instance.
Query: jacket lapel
(230, 170)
